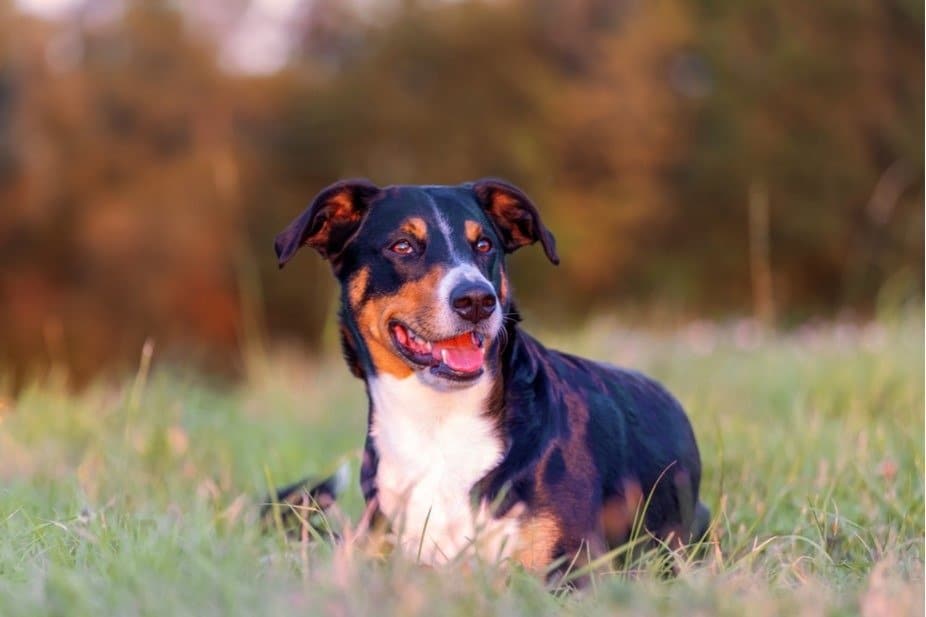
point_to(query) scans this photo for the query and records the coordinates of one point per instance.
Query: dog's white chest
(433, 447)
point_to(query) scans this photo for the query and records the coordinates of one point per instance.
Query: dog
(480, 439)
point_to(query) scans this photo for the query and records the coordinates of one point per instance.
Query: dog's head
(423, 282)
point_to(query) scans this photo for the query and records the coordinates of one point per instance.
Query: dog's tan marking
(409, 305)
(575, 449)
(416, 227)
(508, 207)
(568, 496)
(385, 360)
(473, 231)
(503, 287)
(537, 539)
(619, 511)
(357, 286)
(342, 206)
(340, 211)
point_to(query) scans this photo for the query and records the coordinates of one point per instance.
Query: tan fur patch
(618, 512)
(341, 205)
(409, 305)
(473, 231)
(357, 286)
(416, 227)
(508, 207)
(537, 539)
(503, 288)
(339, 211)
(575, 450)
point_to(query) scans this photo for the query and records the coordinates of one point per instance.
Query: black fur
(300, 502)
(585, 443)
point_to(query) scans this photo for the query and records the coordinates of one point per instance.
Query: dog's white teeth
(416, 343)
(443, 356)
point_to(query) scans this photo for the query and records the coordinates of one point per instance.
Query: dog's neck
(414, 399)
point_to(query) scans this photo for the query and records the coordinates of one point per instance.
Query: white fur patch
(434, 445)
(446, 319)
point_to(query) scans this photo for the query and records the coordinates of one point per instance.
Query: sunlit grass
(146, 503)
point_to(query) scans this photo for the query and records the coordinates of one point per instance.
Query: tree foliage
(141, 184)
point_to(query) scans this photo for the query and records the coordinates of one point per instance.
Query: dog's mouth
(459, 358)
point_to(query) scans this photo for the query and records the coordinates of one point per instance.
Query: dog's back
(592, 444)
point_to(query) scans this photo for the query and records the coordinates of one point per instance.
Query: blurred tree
(141, 186)
(818, 102)
(123, 221)
(617, 132)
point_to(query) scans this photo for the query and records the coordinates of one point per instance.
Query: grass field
(140, 498)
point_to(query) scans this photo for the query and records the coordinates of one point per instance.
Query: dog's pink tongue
(460, 353)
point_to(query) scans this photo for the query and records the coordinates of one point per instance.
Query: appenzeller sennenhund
(480, 438)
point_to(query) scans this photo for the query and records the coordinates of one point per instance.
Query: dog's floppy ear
(515, 216)
(329, 222)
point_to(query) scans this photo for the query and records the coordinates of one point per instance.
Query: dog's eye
(483, 245)
(402, 247)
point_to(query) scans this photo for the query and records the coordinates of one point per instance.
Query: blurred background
(709, 159)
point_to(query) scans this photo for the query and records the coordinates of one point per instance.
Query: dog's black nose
(473, 301)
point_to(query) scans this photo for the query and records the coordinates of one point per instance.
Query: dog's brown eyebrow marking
(416, 227)
(473, 230)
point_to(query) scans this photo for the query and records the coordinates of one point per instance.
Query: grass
(140, 498)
